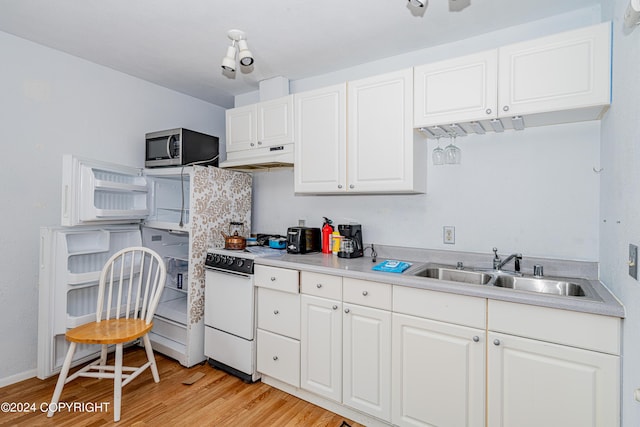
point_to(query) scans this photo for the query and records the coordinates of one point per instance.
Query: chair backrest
(131, 284)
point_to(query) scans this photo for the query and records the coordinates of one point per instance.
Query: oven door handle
(232, 273)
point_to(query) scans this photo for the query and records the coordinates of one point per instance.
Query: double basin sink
(542, 285)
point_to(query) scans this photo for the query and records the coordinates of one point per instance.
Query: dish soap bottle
(327, 230)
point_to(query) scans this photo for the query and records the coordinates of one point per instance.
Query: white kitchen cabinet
(551, 367)
(358, 138)
(366, 362)
(561, 78)
(321, 346)
(278, 334)
(321, 140)
(438, 358)
(260, 125)
(383, 153)
(438, 373)
(570, 70)
(535, 383)
(462, 89)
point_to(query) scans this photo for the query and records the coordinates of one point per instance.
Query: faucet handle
(495, 253)
(538, 271)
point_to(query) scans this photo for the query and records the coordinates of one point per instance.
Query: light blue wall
(53, 103)
(620, 199)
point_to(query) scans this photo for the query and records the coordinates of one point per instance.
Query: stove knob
(217, 259)
(240, 262)
(209, 257)
(230, 260)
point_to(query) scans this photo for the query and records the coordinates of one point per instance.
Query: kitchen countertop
(360, 268)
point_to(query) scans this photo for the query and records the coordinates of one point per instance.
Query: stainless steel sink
(545, 286)
(563, 287)
(454, 275)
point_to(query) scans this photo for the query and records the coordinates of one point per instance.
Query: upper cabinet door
(380, 133)
(95, 192)
(456, 90)
(275, 122)
(321, 140)
(241, 128)
(559, 72)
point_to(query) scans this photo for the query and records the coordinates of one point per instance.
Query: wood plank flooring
(216, 399)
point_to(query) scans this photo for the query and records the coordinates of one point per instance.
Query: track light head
(245, 56)
(417, 3)
(229, 61)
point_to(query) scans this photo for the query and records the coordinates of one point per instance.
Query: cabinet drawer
(279, 357)
(576, 329)
(279, 312)
(451, 308)
(321, 285)
(370, 294)
(281, 279)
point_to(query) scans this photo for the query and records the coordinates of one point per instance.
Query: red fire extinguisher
(327, 229)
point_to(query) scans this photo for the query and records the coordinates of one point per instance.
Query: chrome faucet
(498, 263)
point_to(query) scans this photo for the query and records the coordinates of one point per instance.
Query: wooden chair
(130, 286)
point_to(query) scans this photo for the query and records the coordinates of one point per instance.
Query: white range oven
(230, 313)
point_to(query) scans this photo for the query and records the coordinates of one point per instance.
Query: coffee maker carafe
(351, 244)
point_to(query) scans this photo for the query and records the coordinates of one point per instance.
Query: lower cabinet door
(278, 357)
(533, 383)
(321, 347)
(438, 373)
(366, 363)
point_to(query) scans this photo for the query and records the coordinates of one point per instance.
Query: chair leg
(62, 378)
(151, 357)
(117, 383)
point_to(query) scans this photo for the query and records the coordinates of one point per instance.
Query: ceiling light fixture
(417, 3)
(246, 58)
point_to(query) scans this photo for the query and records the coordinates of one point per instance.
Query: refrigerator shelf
(102, 185)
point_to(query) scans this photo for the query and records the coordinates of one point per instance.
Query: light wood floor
(217, 399)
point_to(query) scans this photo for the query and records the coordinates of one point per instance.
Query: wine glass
(438, 154)
(452, 154)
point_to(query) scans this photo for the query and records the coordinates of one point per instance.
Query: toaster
(303, 240)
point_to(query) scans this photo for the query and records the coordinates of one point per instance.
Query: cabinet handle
(275, 312)
(496, 342)
(505, 108)
(273, 279)
(275, 357)
(259, 142)
(335, 307)
(252, 144)
(365, 293)
(319, 285)
(346, 310)
(352, 186)
(488, 111)
(339, 185)
(476, 338)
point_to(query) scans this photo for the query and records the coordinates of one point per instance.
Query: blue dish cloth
(392, 266)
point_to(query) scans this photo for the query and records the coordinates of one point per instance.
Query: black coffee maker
(351, 242)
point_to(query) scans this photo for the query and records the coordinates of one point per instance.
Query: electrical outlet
(633, 261)
(449, 234)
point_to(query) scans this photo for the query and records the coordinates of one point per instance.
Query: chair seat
(112, 331)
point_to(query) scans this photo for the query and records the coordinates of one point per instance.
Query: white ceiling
(179, 44)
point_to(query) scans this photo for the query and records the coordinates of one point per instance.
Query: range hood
(260, 158)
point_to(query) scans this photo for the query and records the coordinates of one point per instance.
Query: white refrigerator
(179, 212)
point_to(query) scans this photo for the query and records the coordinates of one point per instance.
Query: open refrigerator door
(178, 212)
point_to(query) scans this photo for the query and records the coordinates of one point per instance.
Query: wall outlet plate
(449, 235)
(633, 261)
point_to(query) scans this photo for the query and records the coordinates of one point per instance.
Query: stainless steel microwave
(180, 147)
